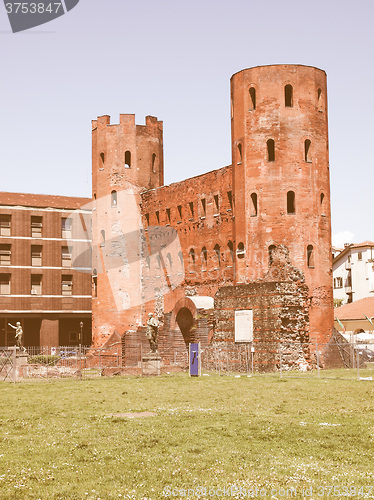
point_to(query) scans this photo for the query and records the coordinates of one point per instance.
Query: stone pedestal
(17, 367)
(151, 364)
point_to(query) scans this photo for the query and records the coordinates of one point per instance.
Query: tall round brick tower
(281, 179)
(126, 159)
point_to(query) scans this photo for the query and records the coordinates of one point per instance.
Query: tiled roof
(42, 200)
(356, 310)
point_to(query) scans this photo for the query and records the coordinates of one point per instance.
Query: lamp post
(81, 333)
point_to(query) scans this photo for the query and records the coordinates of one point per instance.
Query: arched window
(170, 264)
(102, 160)
(240, 251)
(310, 255)
(271, 149)
(94, 282)
(271, 251)
(204, 256)
(230, 246)
(291, 202)
(114, 198)
(158, 263)
(319, 96)
(192, 256)
(322, 202)
(102, 243)
(180, 255)
(94, 196)
(240, 153)
(307, 145)
(217, 250)
(254, 204)
(154, 163)
(252, 98)
(288, 96)
(128, 159)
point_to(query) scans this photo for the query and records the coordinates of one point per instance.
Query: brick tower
(126, 159)
(281, 179)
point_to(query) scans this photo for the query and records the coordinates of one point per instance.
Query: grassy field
(65, 439)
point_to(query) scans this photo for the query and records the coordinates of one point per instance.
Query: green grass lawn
(61, 439)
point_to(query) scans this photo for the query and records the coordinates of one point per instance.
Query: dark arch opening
(271, 149)
(102, 160)
(240, 153)
(288, 96)
(310, 255)
(307, 145)
(252, 94)
(128, 159)
(271, 250)
(154, 163)
(291, 202)
(217, 250)
(254, 203)
(184, 320)
(114, 198)
(230, 246)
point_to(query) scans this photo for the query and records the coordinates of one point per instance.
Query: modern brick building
(45, 269)
(246, 244)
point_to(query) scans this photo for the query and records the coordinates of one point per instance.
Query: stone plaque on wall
(244, 325)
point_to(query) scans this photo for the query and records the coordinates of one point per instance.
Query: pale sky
(174, 59)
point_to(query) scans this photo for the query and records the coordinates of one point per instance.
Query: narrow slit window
(203, 207)
(168, 215)
(147, 219)
(191, 208)
(271, 251)
(128, 159)
(307, 145)
(240, 153)
(310, 256)
(217, 251)
(229, 196)
(154, 163)
(180, 255)
(204, 256)
(319, 97)
(216, 203)
(192, 256)
(288, 96)
(102, 243)
(271, 149)
(230, 246)
(169, 263)
(94, 283)
(180, 212)
(254, 204)
(240, 252)
(291, 202)
(322, 201)
(102, 160)
(252, 98)
(158, 216)
(114, 198)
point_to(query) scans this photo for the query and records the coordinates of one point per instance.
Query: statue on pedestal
(152, 332)
(19, 335)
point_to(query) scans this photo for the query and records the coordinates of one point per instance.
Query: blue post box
(194, 359)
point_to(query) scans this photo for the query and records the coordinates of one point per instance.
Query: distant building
(353, 272)
(45, 269)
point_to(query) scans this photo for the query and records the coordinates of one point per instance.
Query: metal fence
(285, 359)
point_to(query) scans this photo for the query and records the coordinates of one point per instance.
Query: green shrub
(43, 359)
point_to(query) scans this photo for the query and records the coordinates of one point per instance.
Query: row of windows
(127, 161)
(291, 203)
(270, 151)
(36, 226)
(288, 97)
(36, 255)
(36, 284)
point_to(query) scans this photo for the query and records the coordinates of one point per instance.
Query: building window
(204, 256)
(307, 144)
(102, 242)
(359, 256)
(36, 284)
(240, 252)
(322, 202)
(147, 219)
(169, 264)
(310, 256)
(338, 282)
(128, 159)
(5, 253)
(180, 255)
(180, 212)
(291, 202)
(217, 251)
(5, 225)
(114, 198)
(240, 154)
(67, 284)
(230, 246)
(203, 207)
(254, 204)
(4, 284)
(66, 257)
(191, 208)
(36, 226)
(192, 256)
(154, 163)
(158, 216)
(319, 96)
(36, 255)
(102, 160)
(168, 215)
(288, 96)
(229, 196)
(252, 98)
(66, 224)
(216, 203)
(271, 251)
(94, 283)
(270, 149)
